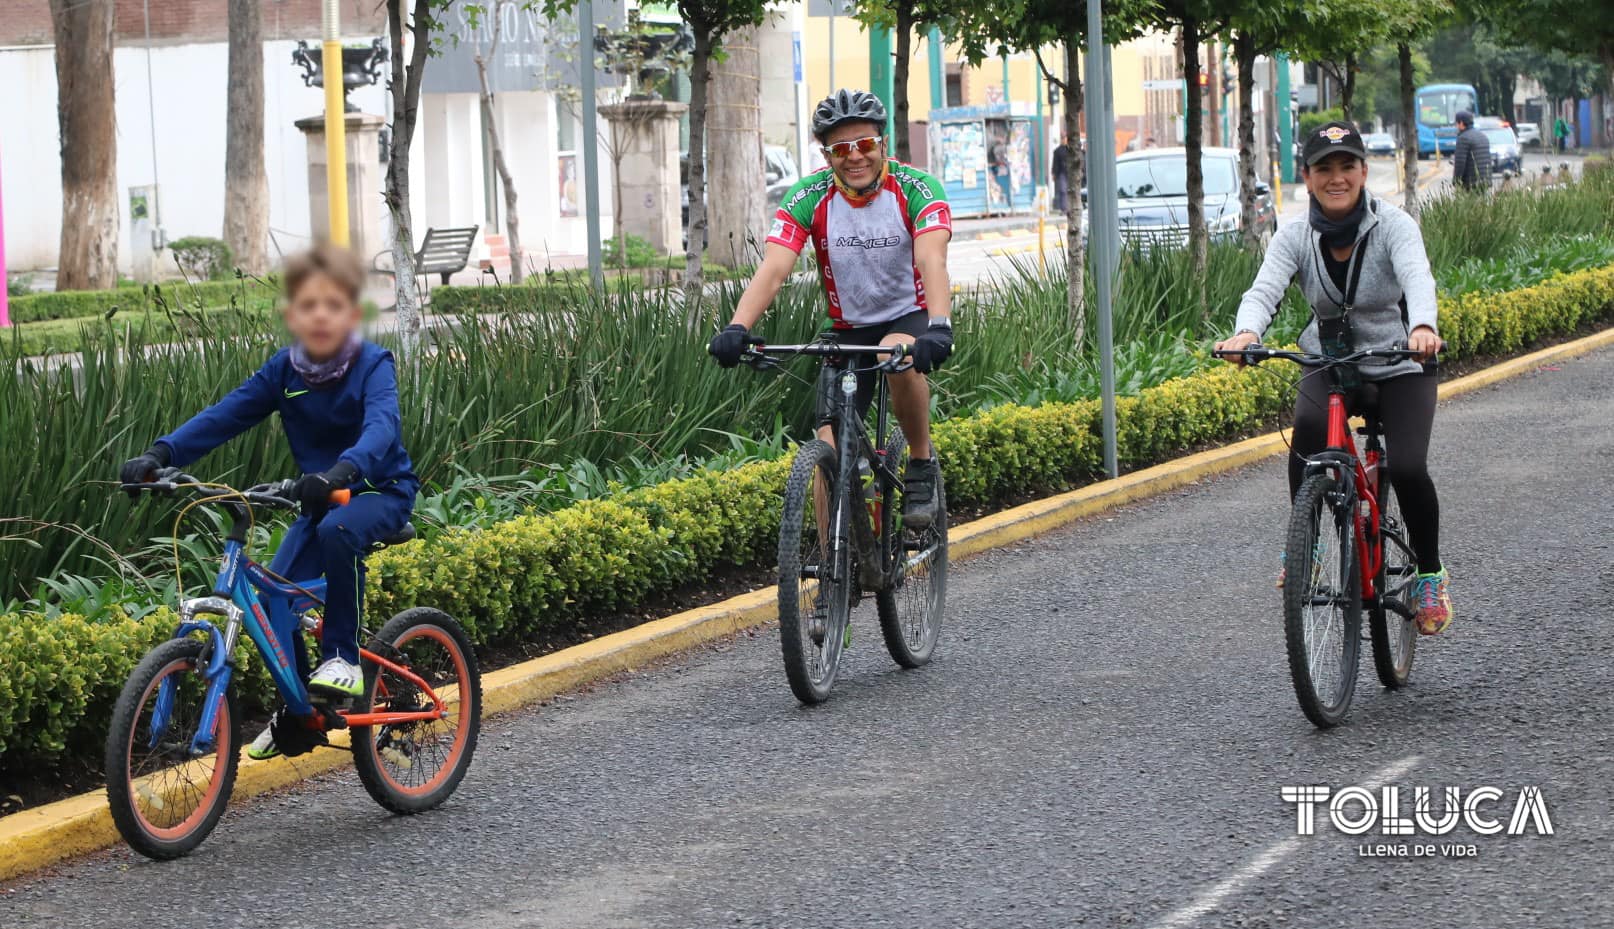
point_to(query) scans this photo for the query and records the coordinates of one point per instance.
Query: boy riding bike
(879, 229)
(337, 396)
(1362, 266)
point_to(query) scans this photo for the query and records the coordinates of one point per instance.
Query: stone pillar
(365, 182)
(643, 146)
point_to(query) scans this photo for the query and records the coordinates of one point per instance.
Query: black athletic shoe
(919, 493)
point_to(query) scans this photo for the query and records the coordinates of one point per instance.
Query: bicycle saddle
(406, 534)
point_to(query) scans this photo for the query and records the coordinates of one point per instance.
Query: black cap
(1464, 117)
(1333, 137)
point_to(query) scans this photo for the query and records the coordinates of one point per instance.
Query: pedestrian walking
(1471, 158)
(1560, 131)
(1061, 174)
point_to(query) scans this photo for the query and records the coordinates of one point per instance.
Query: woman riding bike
(880, 230)
(1361, 263)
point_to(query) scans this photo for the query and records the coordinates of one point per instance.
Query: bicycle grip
(341, 497)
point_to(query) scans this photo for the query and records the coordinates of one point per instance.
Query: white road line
(1213, 896)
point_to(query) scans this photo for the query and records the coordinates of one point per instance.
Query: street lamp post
(1103, 222)
(335, 123)
(591, 141)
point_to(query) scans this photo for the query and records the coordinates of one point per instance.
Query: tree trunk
(246, 183)
(1193, 141)
(1605, 54)
(1244, 55)
(734, 151)
(1409, 133)
(899, 76)
(405, 90)
(512, 221)
(700, 69)
(1347, 90)
(1075, 244)
(87, 119)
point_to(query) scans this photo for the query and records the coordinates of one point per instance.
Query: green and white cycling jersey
(865, 247)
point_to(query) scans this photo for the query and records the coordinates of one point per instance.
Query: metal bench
(443, 251)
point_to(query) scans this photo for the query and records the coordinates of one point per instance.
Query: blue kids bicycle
(175, 739)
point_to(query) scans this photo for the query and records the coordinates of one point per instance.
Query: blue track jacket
(354, 420)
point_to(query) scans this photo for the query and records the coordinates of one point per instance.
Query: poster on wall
(963, 152)
(1020, 160)
(567, 179)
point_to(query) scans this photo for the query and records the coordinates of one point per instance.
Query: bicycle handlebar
(1257, 353)
(274, 495)
(761, 356)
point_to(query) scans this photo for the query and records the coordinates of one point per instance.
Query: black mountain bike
(841, 532)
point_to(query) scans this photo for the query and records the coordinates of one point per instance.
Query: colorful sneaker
(263, 747)
(336, 676)
(1283, 569)
(1434, 603)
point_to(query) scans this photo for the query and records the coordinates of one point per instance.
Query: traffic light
(1204, 82)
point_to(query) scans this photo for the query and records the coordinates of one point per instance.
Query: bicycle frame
(247, 596)
(851, 438)
(1364, 480)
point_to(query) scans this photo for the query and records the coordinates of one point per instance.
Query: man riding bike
(879, 229)
(1361, 263)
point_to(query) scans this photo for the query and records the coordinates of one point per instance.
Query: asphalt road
(1101, 741)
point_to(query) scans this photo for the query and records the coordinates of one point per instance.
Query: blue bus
(1438, 105)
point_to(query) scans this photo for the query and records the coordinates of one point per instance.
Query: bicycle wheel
(1322, 601)
(414, 766)
(165, 799)
(1395, 636)
(912, 604)
(814, 593)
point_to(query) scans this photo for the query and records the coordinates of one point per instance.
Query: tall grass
(1459, 227)
(575, 386)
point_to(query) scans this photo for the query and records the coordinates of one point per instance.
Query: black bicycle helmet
(844, 106)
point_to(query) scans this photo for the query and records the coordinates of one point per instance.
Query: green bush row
(535, 575)
(77, 304)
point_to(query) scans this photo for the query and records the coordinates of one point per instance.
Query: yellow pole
(1042, 227)
(335, 125)
(1277, 187)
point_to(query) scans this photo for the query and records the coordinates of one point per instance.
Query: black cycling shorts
(914, 324)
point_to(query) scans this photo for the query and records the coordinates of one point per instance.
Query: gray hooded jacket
(1395, 266)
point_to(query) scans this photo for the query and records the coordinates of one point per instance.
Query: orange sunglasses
(867, 145)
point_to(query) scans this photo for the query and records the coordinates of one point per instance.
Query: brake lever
(760, 361)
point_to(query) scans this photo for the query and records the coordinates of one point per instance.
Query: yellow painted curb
(42, 836)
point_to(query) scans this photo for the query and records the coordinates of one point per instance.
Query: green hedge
(536, 575)
(77, 304)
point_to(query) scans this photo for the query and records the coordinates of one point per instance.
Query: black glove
(727, 346)
(932, 348)
(143, 467)
(313, 491)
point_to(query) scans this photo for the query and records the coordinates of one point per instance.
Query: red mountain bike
(1347, 547)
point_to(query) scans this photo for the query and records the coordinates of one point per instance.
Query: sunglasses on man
(867, 145)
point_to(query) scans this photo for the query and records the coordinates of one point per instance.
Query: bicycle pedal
(330, 704)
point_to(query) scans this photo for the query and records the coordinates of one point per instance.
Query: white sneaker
(263, 747)
(338, 677)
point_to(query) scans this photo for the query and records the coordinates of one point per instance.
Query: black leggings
(1406, 407)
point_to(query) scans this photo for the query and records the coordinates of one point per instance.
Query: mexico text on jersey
(865, 253)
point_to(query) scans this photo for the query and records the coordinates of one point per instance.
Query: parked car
(1528, 133)
(779, 173)
(1504, 150)
(1153, 189)
(1379, 143)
